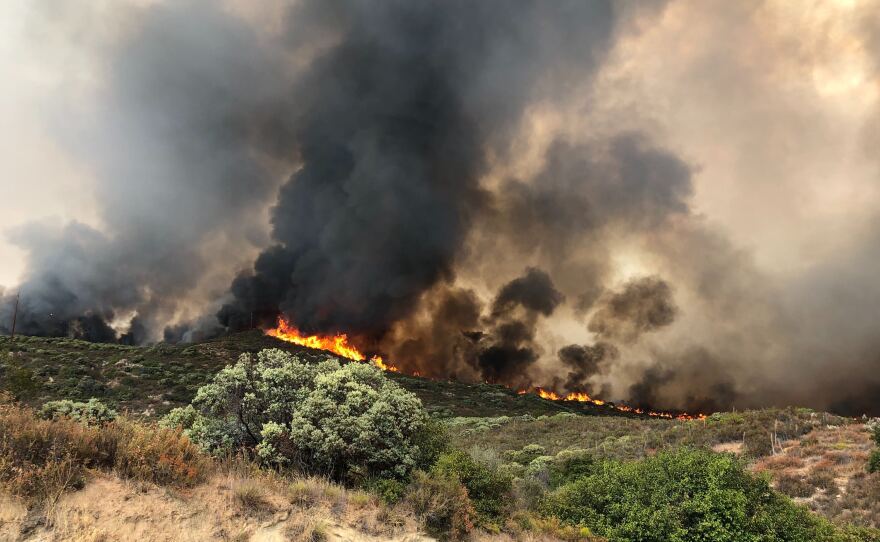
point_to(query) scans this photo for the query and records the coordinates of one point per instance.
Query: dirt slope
(109, 509)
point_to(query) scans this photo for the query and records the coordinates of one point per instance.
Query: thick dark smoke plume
(582, 362)
(393, 124)
(562, 218)
(533, 291)
(695, 377)
(508, 348)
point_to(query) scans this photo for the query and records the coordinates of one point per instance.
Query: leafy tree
(347, 421)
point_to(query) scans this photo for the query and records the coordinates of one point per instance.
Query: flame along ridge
(339, 345)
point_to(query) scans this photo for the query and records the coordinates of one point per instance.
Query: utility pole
(15, 314)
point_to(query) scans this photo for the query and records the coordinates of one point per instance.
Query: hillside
(817, 459)
(152, 380)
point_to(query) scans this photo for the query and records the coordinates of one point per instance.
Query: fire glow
(582, 397)
(339, 345)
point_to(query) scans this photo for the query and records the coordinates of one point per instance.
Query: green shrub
(528, 453)
(92, 412)
(569, 465)
(488, 488)
(874, 461)
(757, 443)
(442, 504)
(682, 496)
(432, 442)
(389, 490)
(347, 422)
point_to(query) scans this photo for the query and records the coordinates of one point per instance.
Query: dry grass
(251, 497)
(41, 459)
(226, 507)
(307, 528)
(826, 471)
(779, 462)
(442, 505)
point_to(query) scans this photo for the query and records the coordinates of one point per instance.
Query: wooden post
(15, 314)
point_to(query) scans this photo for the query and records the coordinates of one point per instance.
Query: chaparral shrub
(488, 488)
(442, 505)
(346, 421)
(683, 496)
(92, 412)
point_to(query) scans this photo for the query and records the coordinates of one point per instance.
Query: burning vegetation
(339, 344)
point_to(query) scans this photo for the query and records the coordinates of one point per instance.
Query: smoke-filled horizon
(671, 203)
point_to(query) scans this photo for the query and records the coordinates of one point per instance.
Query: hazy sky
(771, 100)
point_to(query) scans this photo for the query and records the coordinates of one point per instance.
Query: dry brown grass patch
(251, 497)
(40, 459)
(780, 462)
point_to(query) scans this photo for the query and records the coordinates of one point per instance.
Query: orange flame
(338, 344)
(582, 397)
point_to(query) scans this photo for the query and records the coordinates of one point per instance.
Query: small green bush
(874, 461)
(432, 441)
(528, 453)
(92, 412)
(488, 488)
(389, 490)
(757, 443)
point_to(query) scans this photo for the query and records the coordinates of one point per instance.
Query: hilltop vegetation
(479, 461)
(152, 380)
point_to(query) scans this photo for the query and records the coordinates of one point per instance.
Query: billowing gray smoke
(432, 178)
(170, 144)
(643, 305)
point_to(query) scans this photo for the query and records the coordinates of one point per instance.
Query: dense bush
(346, 421)
(442, 504)
(683, 496)
(527, 454)
(92, 412)
(874, 461)
(794, 485)
(389, 490)
(874, 458)
(569, 465)
(488, 488)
